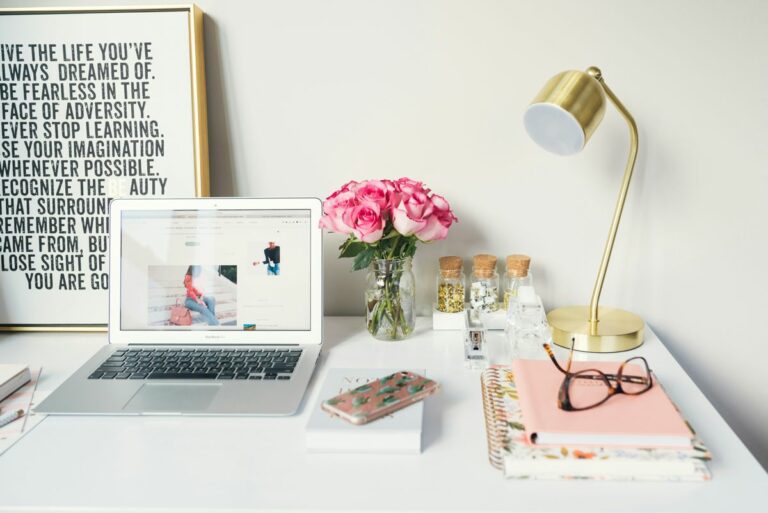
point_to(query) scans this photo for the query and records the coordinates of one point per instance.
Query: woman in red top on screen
(196, 300)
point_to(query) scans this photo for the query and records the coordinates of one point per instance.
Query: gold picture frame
(197, 110)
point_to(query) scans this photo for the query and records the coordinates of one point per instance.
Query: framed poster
(95, 103)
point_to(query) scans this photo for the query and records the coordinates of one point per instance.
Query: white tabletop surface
(110, 464)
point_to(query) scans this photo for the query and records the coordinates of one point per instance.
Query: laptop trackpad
(173, 397)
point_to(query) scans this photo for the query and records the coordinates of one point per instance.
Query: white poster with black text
(94, 105)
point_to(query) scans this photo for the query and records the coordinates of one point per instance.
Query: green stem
(394, 246)
(388, 307)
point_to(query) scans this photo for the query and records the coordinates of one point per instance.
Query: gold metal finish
(578, 93)
(596, 329)
(618, 330)
(199, 103)
(199, 114)
(633, 143)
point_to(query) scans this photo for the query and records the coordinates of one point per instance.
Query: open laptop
(215, 308)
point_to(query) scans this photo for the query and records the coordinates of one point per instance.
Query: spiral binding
(495, 416)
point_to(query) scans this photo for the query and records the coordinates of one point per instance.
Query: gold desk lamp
(561, 120)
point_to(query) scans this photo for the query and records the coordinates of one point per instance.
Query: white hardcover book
(399, 432)
(12, 377)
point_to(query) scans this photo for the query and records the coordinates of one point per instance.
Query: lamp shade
(563, 116)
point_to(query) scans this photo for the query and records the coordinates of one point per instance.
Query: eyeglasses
(588, 388)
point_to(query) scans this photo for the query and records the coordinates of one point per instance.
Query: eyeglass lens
(636, 377)
(588, 388)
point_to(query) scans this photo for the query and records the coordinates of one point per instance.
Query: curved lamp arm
(633, 144)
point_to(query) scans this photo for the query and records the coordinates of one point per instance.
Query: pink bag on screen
(180, 315)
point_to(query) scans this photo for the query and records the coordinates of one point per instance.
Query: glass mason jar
(390, 296)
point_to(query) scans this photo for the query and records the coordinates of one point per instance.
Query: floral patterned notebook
(509, 451)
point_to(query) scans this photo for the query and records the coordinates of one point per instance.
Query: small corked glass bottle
(484, 290)
(517, 275)
(450, 285)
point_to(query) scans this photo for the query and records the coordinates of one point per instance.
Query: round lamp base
(616, 331)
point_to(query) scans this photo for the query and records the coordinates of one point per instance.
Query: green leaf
(351, 248)
(362, 388)
(388, 400)
(364, 258)
(349, 240)
(409, 249)
(391, 235)
(359, 401)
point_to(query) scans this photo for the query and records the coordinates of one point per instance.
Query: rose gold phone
(380, 397)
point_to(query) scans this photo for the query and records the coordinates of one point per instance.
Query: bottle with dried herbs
(516, 276)
(450, 285)
(484, 290)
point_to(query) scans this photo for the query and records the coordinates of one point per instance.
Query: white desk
(260, 464)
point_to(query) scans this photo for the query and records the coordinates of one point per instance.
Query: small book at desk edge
(12, 378)
(510, 451)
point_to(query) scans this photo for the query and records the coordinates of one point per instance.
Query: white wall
(305, 95)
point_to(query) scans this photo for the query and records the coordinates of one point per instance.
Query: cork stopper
(517, 265)
(450, 266)
(484, 265)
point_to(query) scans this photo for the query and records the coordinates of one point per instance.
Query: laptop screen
(215, 270)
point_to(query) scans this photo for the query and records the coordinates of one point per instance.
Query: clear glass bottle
(527, 328)
(516, 276)
(390, 295)
(450, 285)
(484, 290)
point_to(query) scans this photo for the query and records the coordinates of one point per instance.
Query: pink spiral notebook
(510, 451)
(649, 420)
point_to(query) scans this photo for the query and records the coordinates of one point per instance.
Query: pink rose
(404, 188)
(334, 209)
(409, 187)
(437, 225)
(412, 213)
(373, 191)
(348, 186)
(393, 194)
(366, 221)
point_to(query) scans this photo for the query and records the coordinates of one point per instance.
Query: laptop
(215, 308)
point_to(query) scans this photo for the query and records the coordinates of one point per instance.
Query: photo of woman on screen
(271, 259)
(196, 300)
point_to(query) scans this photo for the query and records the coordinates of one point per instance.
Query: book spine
(495, 416)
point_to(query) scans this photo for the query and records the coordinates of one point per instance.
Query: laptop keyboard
(219, 364)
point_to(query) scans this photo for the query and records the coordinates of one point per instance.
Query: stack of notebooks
(641, 437)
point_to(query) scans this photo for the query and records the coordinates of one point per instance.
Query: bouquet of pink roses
(385, 219)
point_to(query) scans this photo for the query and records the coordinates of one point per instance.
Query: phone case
(380, 397)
